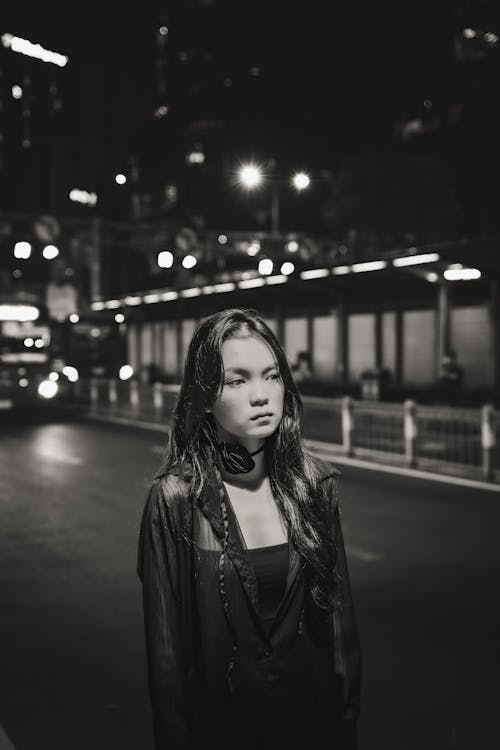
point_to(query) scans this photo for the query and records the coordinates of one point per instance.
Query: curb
(327, 452)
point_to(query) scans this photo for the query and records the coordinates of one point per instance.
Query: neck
(252, 478)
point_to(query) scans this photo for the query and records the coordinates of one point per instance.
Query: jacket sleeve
(347, 647)
(158, 571)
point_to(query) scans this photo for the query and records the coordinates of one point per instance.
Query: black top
(237, 681)
(270, 565)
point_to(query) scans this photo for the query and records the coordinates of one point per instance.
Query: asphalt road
(424, 563)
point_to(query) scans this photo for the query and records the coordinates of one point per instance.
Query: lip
(261, 416)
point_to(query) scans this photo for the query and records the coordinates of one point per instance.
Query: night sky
(327, 85)
(352, 65)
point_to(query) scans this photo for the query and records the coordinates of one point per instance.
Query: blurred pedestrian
(250, 629)
(451, 376)
(301, 368)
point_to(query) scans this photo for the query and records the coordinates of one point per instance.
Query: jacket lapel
(209, 505)
(211, 508)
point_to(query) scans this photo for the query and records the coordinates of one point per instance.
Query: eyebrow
(242, 371)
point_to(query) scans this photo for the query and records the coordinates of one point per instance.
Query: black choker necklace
(235, 458)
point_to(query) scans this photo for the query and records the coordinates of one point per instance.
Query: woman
(250, 629)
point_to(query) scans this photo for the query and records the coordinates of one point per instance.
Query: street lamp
(250, 176)
(301, 181)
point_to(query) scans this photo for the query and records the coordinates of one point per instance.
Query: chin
(263, 431)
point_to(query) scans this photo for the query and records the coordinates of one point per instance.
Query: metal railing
(436, 438)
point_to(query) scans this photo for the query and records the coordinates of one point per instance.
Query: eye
(234, 382)
(274, 376)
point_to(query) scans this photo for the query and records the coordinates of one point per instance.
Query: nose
(258, 395)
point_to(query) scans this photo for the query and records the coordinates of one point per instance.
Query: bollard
(157, 397)
(134, 395)
(94, 394)
(410, 432)
(488, 439)
(112, 392)
(347, 424)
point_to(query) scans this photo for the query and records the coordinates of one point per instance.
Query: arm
(157, 569)
(347, 647)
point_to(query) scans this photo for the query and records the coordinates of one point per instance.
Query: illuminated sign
(83, 196)
(14, 329)
(25, 357)
(19, 312)
(25, 47)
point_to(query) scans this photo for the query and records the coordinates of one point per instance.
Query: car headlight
(48, 389)
(71, 373)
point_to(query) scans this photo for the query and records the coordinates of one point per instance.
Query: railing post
(157, 397)
(94, 393)
(410, 431)
(488, 439)
(347, 424)
(134, 395)
(112, 392)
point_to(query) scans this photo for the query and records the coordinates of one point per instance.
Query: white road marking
(5, 743)
(362, 555)
(60, 457)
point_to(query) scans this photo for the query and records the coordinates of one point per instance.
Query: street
(424, 564)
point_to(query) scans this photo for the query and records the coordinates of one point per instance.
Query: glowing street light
(82, 196)
(21, 313)
(301, 181)
(25, 47)
(71, 373)
(22, 250)
(165, 259)
(126, 372)
(287, 268)
(120, 179)
(253, 248)
(196, 156)
(48, 388)
(50, 252)
(189, 261)
(265, 266)
(250, 176)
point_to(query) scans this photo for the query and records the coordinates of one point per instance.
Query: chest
(258, 517)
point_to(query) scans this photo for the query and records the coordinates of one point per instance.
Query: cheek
(280, 397)
(228, 409)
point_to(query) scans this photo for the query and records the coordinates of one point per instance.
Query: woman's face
(250, 405)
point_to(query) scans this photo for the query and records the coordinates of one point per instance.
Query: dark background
(393, 108)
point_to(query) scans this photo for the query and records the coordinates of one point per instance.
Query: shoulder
(171, 486)
(323, 470)
(168, 494)
(326, 478)
(163, 523)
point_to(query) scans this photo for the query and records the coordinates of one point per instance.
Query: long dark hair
(292, 470)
